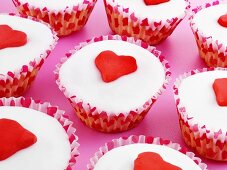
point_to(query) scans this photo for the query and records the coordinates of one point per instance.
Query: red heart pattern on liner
(220, 90)
(11, 38)
(155, 2)
(152, 161)
(113, 66)
(223, 20)
(13, 138)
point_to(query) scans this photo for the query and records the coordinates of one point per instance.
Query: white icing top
(122, 158)
(197, 95)
(80, 76)
(57, 5)
(207, 22)
(40, 38)
(52, 149)
(163, 11)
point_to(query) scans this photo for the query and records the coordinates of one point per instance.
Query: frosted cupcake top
(81, 77)
(57, 5)
(196, 93)
(123, 157)
(162, 11)
(39, 39)
(206, 21)
(52, 148)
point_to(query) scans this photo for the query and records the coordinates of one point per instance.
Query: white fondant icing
(56, 5)
(122, 158)
(52, 149)
(163, 11)
(40, 38)
(207, 22)
(80, 77)
(197, 95)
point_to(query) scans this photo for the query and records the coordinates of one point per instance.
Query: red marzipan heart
(13, 138)
(223, 20)
(220, 90)
(11, 38)
(112, 66)
(152, 161)
(155, 2)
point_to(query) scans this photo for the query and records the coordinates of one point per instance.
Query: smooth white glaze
(122, 158)
(207, 22)
(80, 76)
(52, 149)
(40, 38)
(197, 95)
(163, 11)
(57, 5)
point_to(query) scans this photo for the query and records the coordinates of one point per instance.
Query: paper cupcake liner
(125, 22)
(52, 111)
(63, 22)
(99, 119)
(211, 51)
(208, 143)
(16, 82)
(141, 139)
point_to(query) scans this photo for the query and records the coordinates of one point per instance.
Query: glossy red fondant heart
(112, 66)
(155, 2)
(220, 91)
(223, 20)
(152, 161)
(11, 38)
(13, 138)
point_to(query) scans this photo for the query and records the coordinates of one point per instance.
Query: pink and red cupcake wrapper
(16, 82)
(208, 143)
(52, 111)
(145, 140)
(99, 119)
(63, 22)
(125, 22)
(211, 51)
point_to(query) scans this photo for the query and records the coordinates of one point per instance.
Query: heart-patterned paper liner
(141, 139)
(125, 22)
(52, 111)
(16, 82)
(211, 51)
(99, 119)
(208, 143)
(64, 22)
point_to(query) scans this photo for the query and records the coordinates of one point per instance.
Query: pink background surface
(162, 121)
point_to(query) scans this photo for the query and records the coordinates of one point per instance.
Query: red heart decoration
(11, 38)
(13, 138)
(155, 2)
(220, 90)
(223, 20)
(152, 161)
(112, 66)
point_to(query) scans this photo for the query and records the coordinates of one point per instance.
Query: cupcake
(24, 46)
(65, 16)
(201, 100)
(112, 81)
(35, 136)
(209, 25)
(151, 21)
(143, 153)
